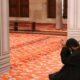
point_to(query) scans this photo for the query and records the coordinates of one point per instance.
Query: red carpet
(33, 56)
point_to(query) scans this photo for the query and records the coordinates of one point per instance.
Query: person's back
(71, 68)
(71, 52)
(70, 56)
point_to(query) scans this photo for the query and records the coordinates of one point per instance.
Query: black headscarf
(72, 43)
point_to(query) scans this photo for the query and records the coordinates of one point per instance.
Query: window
(19, 8)
(51, 8)
(65, 9)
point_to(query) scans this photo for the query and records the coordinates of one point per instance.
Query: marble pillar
(4, 37)
(73, 19)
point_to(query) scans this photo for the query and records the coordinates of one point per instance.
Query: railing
(15, 24)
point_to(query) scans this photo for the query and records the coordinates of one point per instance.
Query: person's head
(72, 44)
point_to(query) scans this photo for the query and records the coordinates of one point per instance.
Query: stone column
(4, 36)
(74, 19)
(58, 14)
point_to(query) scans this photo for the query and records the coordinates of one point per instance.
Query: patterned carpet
(33, 56)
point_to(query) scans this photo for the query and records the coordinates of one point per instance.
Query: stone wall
(38, 12)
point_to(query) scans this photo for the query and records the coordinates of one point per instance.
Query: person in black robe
(70, 56)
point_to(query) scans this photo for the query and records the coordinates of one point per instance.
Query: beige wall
(38, 12)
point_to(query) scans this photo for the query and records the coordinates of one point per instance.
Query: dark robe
(71, 68)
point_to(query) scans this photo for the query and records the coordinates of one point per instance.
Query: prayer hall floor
(33, 56)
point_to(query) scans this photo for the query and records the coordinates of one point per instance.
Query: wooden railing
(15, 25)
